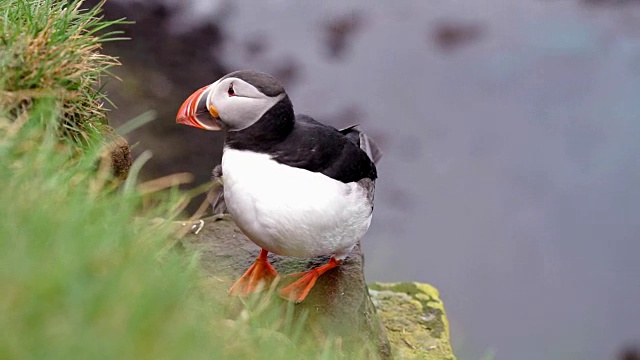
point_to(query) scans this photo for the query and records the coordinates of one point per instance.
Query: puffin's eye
(231, 92)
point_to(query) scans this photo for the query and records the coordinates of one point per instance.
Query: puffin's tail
(356, 136)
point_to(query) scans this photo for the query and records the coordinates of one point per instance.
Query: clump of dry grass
(51, 50)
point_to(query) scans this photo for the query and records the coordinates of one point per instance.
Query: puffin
(294, 186)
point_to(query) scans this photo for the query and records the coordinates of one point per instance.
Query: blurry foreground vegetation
(83, 273)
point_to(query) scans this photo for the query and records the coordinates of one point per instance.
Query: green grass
(78, 278)
(84, 273)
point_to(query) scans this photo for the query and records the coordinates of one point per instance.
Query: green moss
(415, 319)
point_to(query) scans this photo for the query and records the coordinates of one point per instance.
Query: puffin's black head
(234, 102)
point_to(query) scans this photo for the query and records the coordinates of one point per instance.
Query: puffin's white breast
(292, 211)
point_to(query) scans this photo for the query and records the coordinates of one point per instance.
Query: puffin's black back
(320, 148)
(304, 143)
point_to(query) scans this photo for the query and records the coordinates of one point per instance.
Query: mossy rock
(415, 320)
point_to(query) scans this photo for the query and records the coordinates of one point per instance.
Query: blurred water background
(511, 133)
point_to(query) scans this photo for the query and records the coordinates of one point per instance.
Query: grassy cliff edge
(84, 270)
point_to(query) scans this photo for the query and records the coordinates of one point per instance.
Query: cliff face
(403, 320)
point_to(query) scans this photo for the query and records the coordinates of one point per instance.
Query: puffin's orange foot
(298, 290)
(258, 276)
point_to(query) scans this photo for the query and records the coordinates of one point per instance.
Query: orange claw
(257, 277)
(298, 290)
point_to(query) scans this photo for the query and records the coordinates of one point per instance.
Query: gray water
(512, 167)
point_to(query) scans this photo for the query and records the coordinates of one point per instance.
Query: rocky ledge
(402, 321)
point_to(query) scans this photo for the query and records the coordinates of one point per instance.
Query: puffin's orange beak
(194, 111)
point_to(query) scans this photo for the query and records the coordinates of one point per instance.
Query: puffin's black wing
(216, 193)
(320, 148)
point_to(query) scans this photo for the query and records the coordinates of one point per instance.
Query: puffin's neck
(272, 128)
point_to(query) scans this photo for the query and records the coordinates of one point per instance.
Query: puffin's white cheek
(240, 113)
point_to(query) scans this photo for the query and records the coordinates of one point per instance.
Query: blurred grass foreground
(83, 272)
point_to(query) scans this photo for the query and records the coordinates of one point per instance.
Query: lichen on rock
(415, 320)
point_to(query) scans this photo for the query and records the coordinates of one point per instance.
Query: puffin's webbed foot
(258, 277)
(298, 290)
